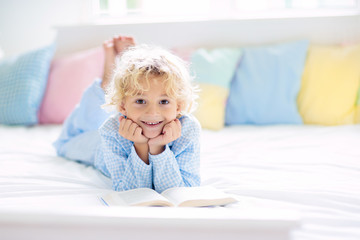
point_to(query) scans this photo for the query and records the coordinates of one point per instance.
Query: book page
(136, 197)
(197, 196)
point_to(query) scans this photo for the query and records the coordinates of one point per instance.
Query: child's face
(152, 109)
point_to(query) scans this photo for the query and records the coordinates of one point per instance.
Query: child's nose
(152, 109)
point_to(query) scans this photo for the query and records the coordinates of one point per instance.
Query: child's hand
(131, 131)
(171, 132)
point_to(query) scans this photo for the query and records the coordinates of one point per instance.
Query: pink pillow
(183, 52)
(69, 76)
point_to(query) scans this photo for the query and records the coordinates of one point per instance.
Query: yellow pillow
(357, 114)
(211, 109)
(329, 85)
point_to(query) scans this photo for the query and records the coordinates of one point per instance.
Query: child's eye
(140, 101)
(164, 102)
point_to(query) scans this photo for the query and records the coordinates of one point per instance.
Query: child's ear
(122, 109)
(178, 109)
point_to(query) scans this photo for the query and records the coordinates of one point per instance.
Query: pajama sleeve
(178, 164)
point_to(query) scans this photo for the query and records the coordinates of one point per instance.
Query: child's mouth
(152, 124)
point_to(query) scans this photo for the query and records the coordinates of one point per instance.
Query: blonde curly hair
(138, 65)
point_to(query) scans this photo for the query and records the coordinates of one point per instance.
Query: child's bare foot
(113, 48)
(122, 43)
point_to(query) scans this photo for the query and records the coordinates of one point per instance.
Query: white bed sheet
(311, 169)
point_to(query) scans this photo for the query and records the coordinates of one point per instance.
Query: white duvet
(311, 169)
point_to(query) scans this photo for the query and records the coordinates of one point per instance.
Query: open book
(172, 197)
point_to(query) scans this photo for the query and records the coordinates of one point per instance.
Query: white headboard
(321, 30)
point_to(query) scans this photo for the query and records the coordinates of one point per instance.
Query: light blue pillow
(215, 66)
(266, 84)
(23, 81)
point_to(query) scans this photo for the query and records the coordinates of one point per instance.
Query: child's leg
(79, 137)
(114, 48)
(109, 63)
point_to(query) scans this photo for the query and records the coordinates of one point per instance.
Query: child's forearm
(155, 150)
(142, 150)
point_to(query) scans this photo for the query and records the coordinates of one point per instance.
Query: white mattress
(310, 169)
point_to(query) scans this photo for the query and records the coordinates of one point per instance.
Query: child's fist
(131, 131)
(170, 132)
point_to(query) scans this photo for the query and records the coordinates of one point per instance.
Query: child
(151, 141)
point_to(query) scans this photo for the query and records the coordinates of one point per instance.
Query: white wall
(28, 24)
(319, 30)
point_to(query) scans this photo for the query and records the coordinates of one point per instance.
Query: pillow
(69, 77)
(23, 81)
(357, 113)
(213, 70)
(266, 85)
(330, 84)
(183, 52)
